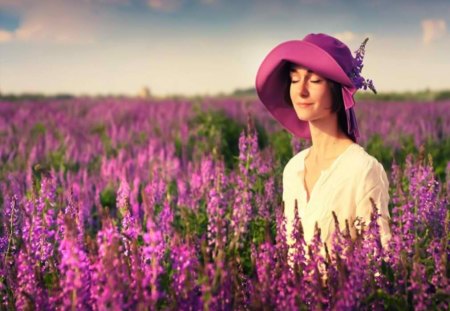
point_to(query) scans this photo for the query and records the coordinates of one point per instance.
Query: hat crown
(335, 48)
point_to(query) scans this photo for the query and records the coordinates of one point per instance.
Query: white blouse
(345, 187)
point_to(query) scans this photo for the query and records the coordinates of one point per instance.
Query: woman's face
(310, 94)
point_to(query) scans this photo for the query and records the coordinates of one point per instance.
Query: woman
(308, 86)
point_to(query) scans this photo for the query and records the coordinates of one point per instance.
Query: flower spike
(358, 80)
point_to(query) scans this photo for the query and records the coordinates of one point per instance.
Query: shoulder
(362, 164)
(295, 163)
(368, 172)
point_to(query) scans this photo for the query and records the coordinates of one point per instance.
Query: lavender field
(126, 204)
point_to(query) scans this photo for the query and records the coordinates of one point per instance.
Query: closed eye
(315, 81)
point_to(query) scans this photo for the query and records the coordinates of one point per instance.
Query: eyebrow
(294, 70)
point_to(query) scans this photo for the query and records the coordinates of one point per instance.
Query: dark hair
(336, 97)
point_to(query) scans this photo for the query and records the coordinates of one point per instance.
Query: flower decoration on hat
(355, 75)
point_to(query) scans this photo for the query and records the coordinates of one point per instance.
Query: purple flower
(355, 75)
(419, 287)
(437, 250)
(3, 244)
(266, 199)
(185, 266)
(299, 247)
(110, 279)
(123, 195)
(38, 229)
(265, 288)
(152, 254)
(166, 218)
(284, 276)
(74, 271)
(216, 288)
(313, 293)
(48, 189)
(12, 224)
(153, 194)
(28, 293)
(217, 224)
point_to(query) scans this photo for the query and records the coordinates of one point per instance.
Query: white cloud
(165, 5)
(14, 4)
(56, 21)
(114, 2)
(346, 36)
(174, 5)
(5, 36)
(209, 2)
(353, 40)
(61, 23)
(433, 30)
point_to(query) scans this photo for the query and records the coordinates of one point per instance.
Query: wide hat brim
(272, 81)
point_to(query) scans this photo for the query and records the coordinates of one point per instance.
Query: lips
(303, 104)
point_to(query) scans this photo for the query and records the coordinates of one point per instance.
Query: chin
(305, 116)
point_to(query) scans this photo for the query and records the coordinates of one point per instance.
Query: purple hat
(323, 54)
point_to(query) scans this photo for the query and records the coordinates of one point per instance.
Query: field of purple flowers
(176, 205)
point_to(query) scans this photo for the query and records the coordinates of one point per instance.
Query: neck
(327, 138)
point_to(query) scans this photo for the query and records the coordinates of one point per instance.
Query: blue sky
(208, 46)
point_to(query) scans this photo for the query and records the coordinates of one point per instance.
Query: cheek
(328, 104)
(326, 99)
(291, 93)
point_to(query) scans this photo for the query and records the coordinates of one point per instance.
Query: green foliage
(139, 195)
(263, 137)
(259, 230)
(172, 189)
(157, 208)
(376, 147)
(188, 222)
(389, 302)
(443, 95)
(281, 144)
(140, 240)
(439, 151)
(245, 256)
(214, 132)
(37, 171)
(108, 199)
(94, 224)
(37, 130)
(55, 159)
(139, 138)
(165, 281)
(178, 147)
(50, 280)
(101, 131)
(94, 164)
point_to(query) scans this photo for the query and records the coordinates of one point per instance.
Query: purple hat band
(321, 53)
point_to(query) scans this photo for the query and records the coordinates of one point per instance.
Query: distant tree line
(419, 96)
(424, 95)
(33, 97)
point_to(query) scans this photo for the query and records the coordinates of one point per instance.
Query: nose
(302, 89)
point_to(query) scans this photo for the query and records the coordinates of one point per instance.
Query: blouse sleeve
(375, 185)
